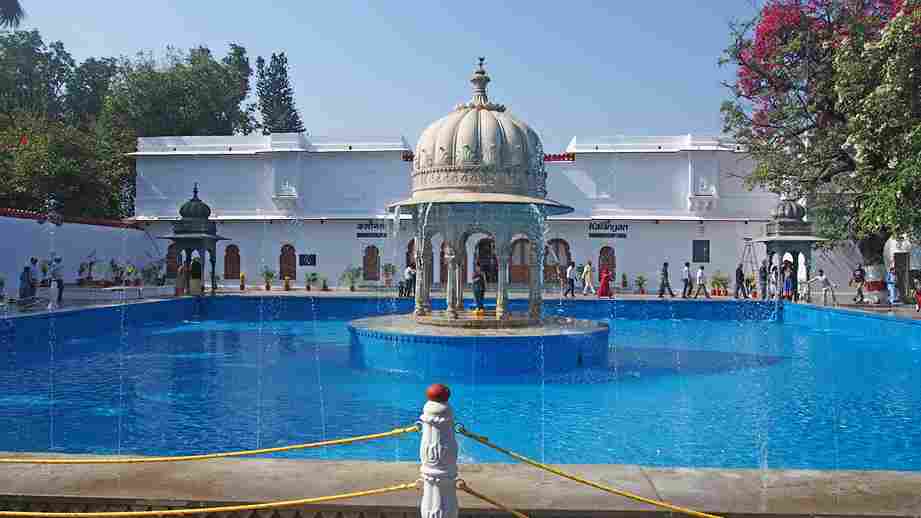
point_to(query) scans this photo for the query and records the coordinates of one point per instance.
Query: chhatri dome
(480, 152)
(478, 170)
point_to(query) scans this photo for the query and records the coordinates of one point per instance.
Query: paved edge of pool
(728, 492)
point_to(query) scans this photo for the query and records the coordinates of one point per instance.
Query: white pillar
(535, 291)
(421, 274)
(502, 291)
(459, 279)
(451, 282)
(438, 454)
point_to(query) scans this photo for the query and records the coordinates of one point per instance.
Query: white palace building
(298, 204)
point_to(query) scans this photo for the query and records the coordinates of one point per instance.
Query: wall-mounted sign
(307, 260)
(371, 229)
(607, 229)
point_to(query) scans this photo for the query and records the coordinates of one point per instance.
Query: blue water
(813, 391)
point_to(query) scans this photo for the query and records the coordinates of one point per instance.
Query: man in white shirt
(588, 283)
(827, 287)
(57, 284)
(570, 280)
(687, 280)
(701, 283)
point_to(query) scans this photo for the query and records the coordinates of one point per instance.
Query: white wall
(21, 239)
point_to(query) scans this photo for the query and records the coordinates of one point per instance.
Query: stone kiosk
(789, 232)
(478, 169)
(195, 232)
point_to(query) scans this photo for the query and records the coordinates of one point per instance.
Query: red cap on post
(438, 392)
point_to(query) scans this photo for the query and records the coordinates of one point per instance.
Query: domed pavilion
(195, 232)
(479, 169)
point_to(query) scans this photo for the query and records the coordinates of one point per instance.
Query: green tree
(33, 75)
(41, 158)
(790, 113)
(276, 97)
(87, 89)
(190, 94)
(11, 13)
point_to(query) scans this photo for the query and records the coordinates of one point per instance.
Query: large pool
(719, 384)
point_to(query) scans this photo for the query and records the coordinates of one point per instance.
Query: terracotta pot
(268, 286)
(308, 287)
(351, 288)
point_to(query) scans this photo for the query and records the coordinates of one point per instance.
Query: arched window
(232, 262)
(556, 254)
(371, 264)
(172, 263)
(287, 263)
(607, 261)
(518, 267)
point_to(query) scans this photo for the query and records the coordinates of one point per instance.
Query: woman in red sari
(604, 288)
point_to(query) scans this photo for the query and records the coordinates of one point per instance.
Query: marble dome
(481, 148)
(789, 210)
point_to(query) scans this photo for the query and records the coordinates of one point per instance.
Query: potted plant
(310, 279)
(350, 276)
(242, 281)
(641, 284)
(323, 282)
(752, 288)
(268, 275)
(623, 281)
(287, 283)
(389, 271)
(719, 283)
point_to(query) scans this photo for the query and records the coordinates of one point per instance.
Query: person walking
(858, 279)
(588, 281)
(57, 284)
(741, 288)
(570, 280)
(701, 283)
(686, 280)
(827, 288)
(664, 282)
(604, 285)
(763, 279)
(479, 288)
(892, 281)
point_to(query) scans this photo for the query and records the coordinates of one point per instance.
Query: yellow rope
(204, 510)
(620, 492)
(466, 489)
(207, 456)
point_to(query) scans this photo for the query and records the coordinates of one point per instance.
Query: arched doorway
(607, 261)
(371, 264)
(287, 263)
(444, 265)
(232, 262)
(485, 258)
(556, 253)
(518, 266)
(172, 262)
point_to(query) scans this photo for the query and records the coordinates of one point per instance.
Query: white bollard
(438, 454)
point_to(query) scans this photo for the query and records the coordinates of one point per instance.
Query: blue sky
(367, 69)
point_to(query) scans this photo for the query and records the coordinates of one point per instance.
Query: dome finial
(479, 81)
(195, 191)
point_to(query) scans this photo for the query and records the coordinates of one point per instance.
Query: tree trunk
(871, 250)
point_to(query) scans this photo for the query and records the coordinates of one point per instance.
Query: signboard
(371, 229)
(307, 260)
(607, 230)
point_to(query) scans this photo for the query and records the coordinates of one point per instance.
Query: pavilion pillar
(451, 283)
(188, 271)
(429, 275)
(535, 293)
(420, 277)
(213, 256)
(502, 291)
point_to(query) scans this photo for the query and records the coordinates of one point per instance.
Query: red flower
(23, 140)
